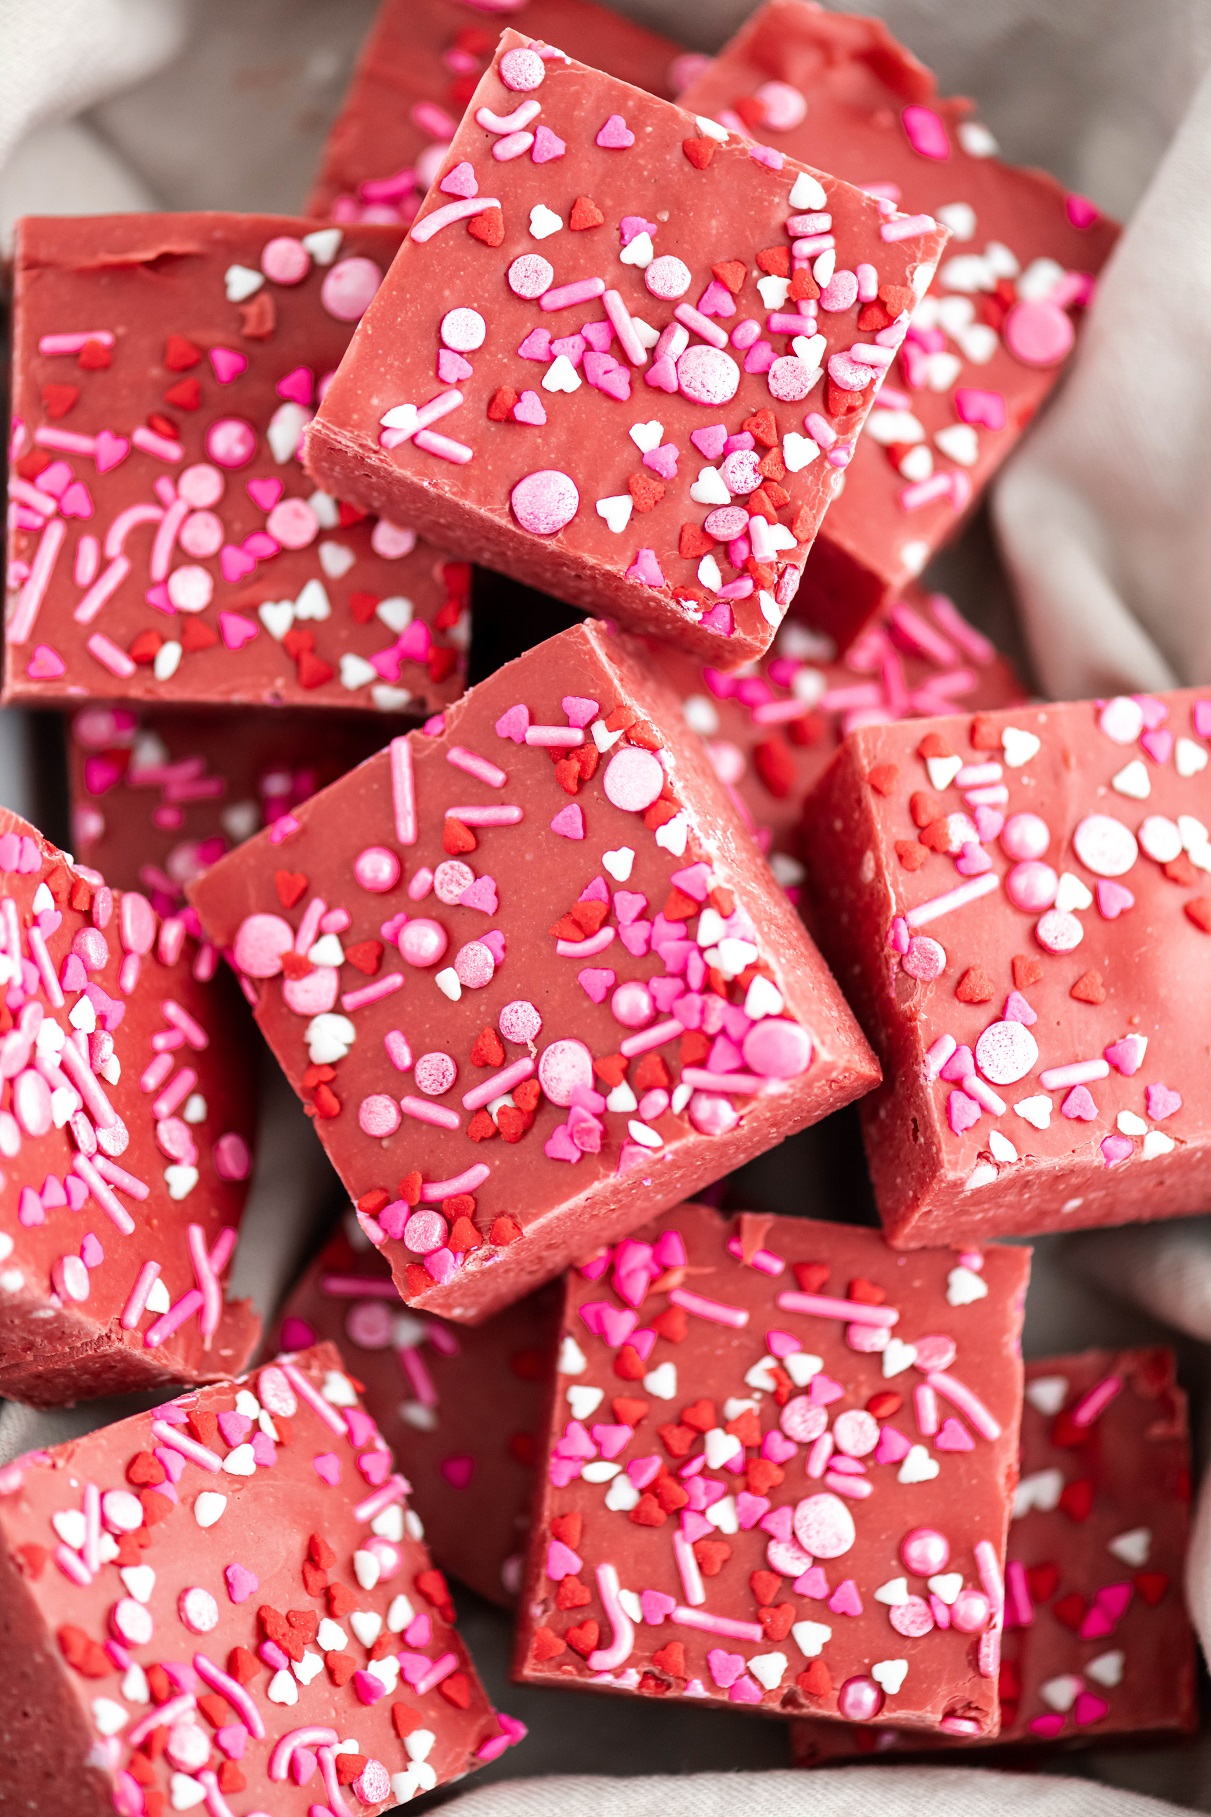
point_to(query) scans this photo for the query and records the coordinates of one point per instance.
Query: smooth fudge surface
(226, 1602)
(531, 976)
(1018, 905)
(460, 1406)
(598, 366)
(125, 1127)
(989, 341)
(165, 543)
(157, 796)
(779, 1473)
(772, 728)
(1098, 1644)
(416, 73)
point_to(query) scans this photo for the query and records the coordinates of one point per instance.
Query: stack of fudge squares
(534, 955)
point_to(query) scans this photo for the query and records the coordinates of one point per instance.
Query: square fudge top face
(229, 1595)
(461, 1408)
(1097, 1640)
(531, 976)
(416, 73)
(125, 1121)
(1021, 905)
(780, 1472)
(985, 346)
(773, 728)
(166, 543)
(641, 403)
(156, 797)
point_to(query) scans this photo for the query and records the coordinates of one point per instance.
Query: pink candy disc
(522, 70)
(545, 502)
(378, 1115)
(201, 486)
(198, 1611)
(785, 107)
(824, 1526)
(840, 293)
(519, 1022)
(531, 275)
(434, 1074)
(1038, 334)
(1058, 932)
(777, 1048)
(349, 288)
(130, 1622)
(562, 1068)
(707, 375)
(790, 380)
(293, 523)
(368, 1325)
(925, 1551)
(801, 1420)
(727, 522)
(422, 942)
(259, 944)
(232, 1157)
(425, 1231)
(912, 1619)
(313, 995)
(1006, 1052)
(741, 475)
(231, 442)
(934, 1352)
(285, 260)
(463, 330)
(633, 779)
(1025, 836)
(376, 869)
(451, 879)
(859, 1700)
(190, 589)
(668, 278)
(856, 1432)
(1104, 845)
(474, 965)
(1032, 886)
(925, 959)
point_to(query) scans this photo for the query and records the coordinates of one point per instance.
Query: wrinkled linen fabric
(116, 104)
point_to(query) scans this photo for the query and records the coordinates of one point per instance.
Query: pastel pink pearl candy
(970, 1611)
(422, 942)
(840, 293)
(190, 589)
(1058, 932)
(925, 959)
(545, 502)
(935, 1352)
(824, 1526)
(562, 1068)
(463, 330)
(707, 375)
(434, 1074)
(231, 442)
(1032, 886)
(777, 1049)
(1038, 334)
(856, 1432)
(785, 107)
(202, 533)
(633, 779)
(260, 941)
(523, 71)
(912, 1619)
(378, 1115)
(285, 260)
(519, 1022)
(201, 485)
(741, 475)
(129, 1621)
(368, 1325)
(712, 1115)
(802, 1421)
(668, 278)
(313, 995)
(198, 1611)
(349, 288)
(293, 523)
(1025, 836)
(474, 965)
(859, 1700)
(1104, 845)
(531, 275)
(1006, 1052)
(631, 1004)
(789, 379)
(424, 1232)
(376, 869)
(925, 1551)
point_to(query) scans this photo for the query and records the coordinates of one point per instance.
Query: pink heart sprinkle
(776, 1448)
(228, 365)
(710, 441)
(656, 1606)
(725, 1667)
(547, 145)
(745, 1690)
(529, 409)
(235, 563)
(76, 501)
(663, 460)
(45, 664)
(536, 346)
(569, 822)
(616, 383)
(1127, 1055)
(73, 976)
(1047, 1725)
(297, 386)
(328, 1468)
(595, 981)
(559, 1145)
(241, 1583)
(77, 1192)
(375, 1466)
(414, 642)
(562, 1471)
(480, 895)
(562, 1561)
(53, 1195)
(615, 135)
(1158, 744)
(157, 596)
(780, 1343)
(616, 1325)
(962, 1112)
(1088, 1708)
(777, 1523)
(973, 860)
(452, 368)
(954, 1436)
(419, 1631)
(514, 724)
(989, 822)
(643, 1470)
(1162, 1102)
(845, 1599)
(892, 1446)
(694, 1525)
(749, 1509)
(1116, 1149)
(110, 450)
(1079, 1104)
(1018, 1010)
(264, 493)
(235, 1427)
(457, 1471)
(236, 630)
(813, 1583)
(1113, 899)
(579, 710)
(461, 181)
(233, 1739)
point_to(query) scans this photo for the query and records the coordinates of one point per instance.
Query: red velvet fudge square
(165, 543)
(224, 1599)
(531, 976)
(1098, 1645)
(773, 727)
(125, 1123)
(986, 345)
(156, 797)
(461, 1407)
(779, 1473)
(598, 366)
(416, 73)
(1019, 907)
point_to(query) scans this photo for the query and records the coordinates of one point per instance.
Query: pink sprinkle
(926, 133)
(615, 135)
(854, 1312)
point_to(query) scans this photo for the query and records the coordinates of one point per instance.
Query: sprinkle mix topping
(464, 1404)
(777, 1473)
(986, 345)
(165, 542)
(126, 1100)
(718, 386)
(520, 960)
(1051, 1021)
(243, 1605)
(1097, 1641)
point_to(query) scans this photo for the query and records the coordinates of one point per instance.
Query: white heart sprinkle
(807, 194)
(1018, 747)
(774, 291)
(946, 1586)
(139, 1580)
(584, 1400)
(1132, 1547)
(1189, 758)
(1132, 781)
(763, 999)
(811, 349)
(240, 1462)
(180, 1181)
(282, 1689)
(898, 1356)
(544, 221)
(710, 129)
(1041, 1490)
(709, 489)
(638, 252)
(798, 451)
(399, 1611)
(662, 1381)
(1061, 1693)
(710, 574)
(572, 1360)
(672, 836)
(167, 660)
(761, 1375)
(388, 1525)
(449, 983)
(890, 1673)
(1107, 1668)
(331, 1637)
(1000, 1147)
(313, 601)
(396, 613)
(621, 1496)
(768, 1669)
(801, 1365)
(1047, 1393)
(134, 1685)
(109, 1717)
(391, 700)
(619, 862)
(918, 1466)
(600, 1472)
(631, 1604)
(561, 375)
(616, 511)
(367, 1569)
(329, 1038)
(185, 1792)
(367, 1624)
(240, 281)
(719, 1446)
(284, 431)
(646, 436)
(622, 1100)
(306, 1668)
(963, 1287)
(810, 1637)
(960, 217)
(323, 244)
(959, 443)
(1072, 894)
(326, 951)
(942, 771)
(71, 1527)
(722, 1514)
(1129, 1124)
(277, 616)
(893, 1592)
(1156, 1142)
(158, 1300)
(336, 559)
(1036, 1110)
(356, 672)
